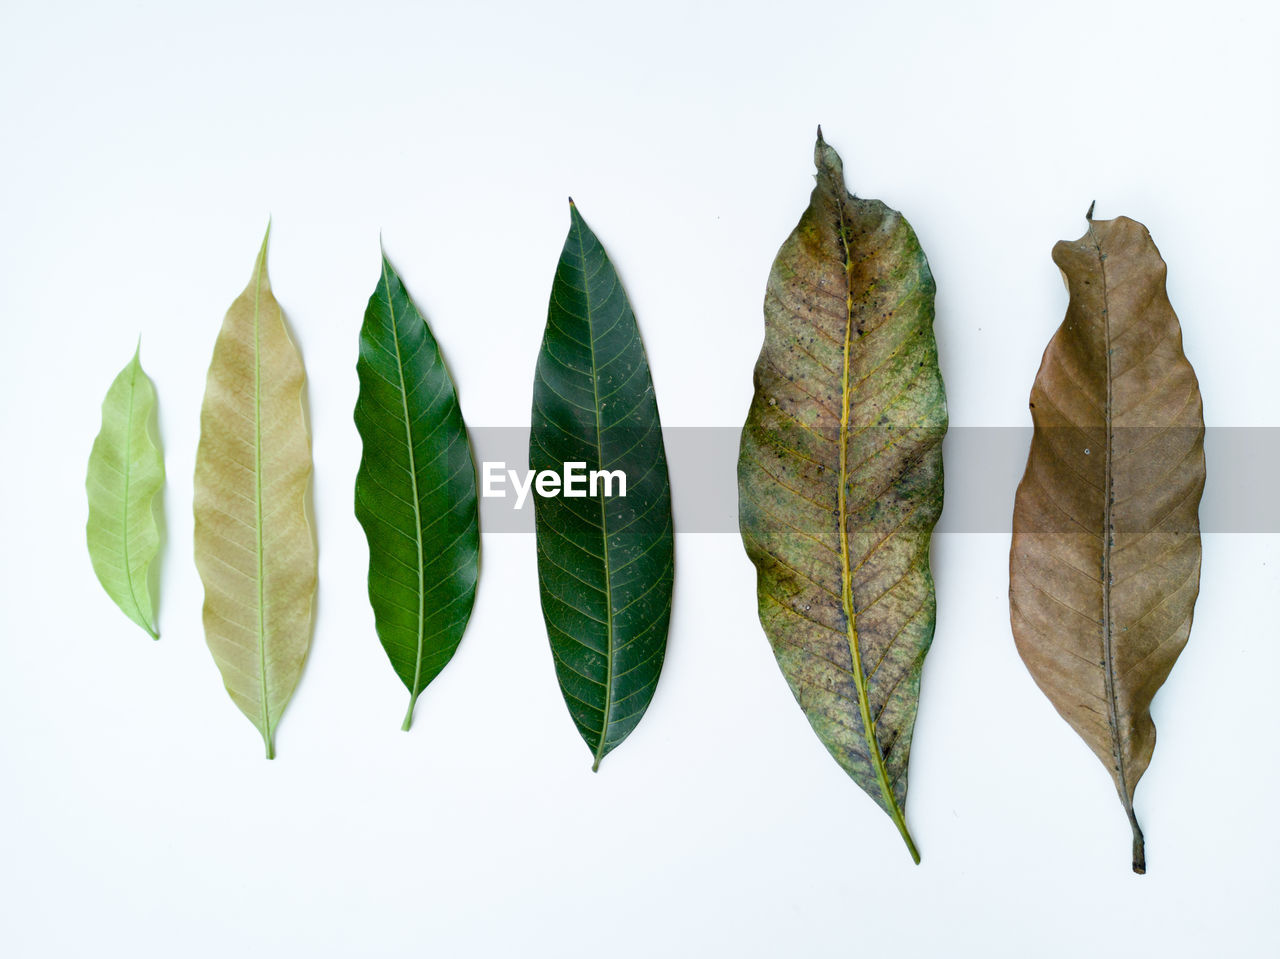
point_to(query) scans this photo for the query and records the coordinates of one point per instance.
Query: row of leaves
(840, 486)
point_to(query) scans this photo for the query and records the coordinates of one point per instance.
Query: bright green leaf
(415, 491)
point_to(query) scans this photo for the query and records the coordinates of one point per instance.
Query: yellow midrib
(846, 568)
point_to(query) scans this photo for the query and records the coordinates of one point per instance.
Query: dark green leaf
(605, 562)
(415, 490)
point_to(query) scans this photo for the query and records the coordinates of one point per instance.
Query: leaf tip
(261, 264)
(830, 166)
(572, 204)
(1089, 216)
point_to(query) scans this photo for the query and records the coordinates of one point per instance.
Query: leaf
(1105, 562)
(415, 491)
(253, 542)
(840, 477)
(126, 471)
(605, 562)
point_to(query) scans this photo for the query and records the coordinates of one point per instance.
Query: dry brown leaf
(1105, 562)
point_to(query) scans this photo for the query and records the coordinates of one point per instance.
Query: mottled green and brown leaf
(840, 477)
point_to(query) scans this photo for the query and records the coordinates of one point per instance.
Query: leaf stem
(408, 717)
(1139, 844)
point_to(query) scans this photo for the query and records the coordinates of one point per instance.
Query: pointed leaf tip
(1089, 216)
(260, 264)
(829, 164)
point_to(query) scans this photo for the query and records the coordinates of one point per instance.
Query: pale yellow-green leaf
(253, 542)
(126, 471)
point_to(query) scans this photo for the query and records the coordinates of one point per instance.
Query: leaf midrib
(1108, 533)
(604, 528)
(846, 569)
(267, 732)
(417, 509)
(127, 473)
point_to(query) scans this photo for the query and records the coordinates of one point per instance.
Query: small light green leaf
(840, 477)
(605, 560)
(415, 491)
(126, 471)
(253, 542)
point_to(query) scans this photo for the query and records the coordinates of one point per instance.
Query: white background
(145, 145)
